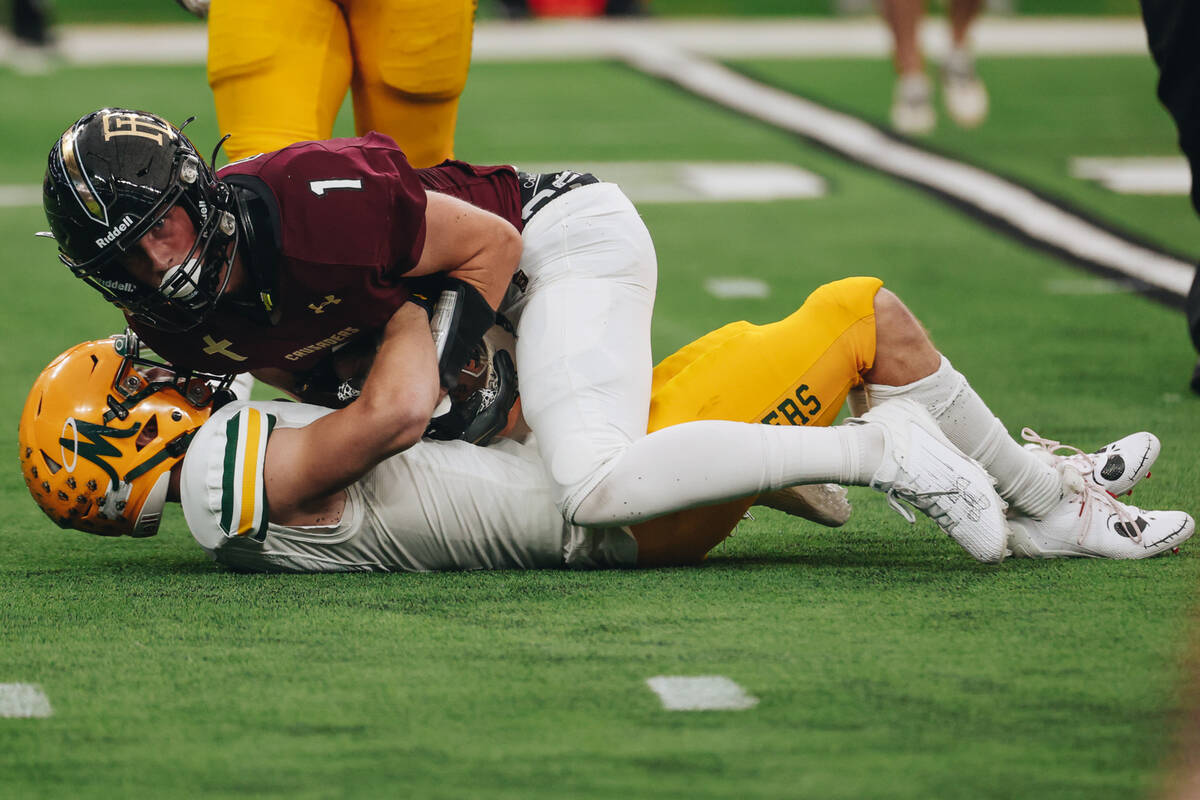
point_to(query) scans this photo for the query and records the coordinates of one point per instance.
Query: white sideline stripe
(559, 40)
(1163, 175)
(23, 701)
(700, 693)
(866, 144)
(729, 288)
(17, 196)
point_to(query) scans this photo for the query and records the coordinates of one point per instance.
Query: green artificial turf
(885, 662)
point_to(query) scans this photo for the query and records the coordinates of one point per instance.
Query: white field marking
(1086, 286)
(23, 700)
(862, 142)
(558, 40)
(20, 196)
(700, 693)
(1137, 174)
(728, 288)
(699, 181)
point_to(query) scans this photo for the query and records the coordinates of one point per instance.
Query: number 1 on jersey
(319, 187)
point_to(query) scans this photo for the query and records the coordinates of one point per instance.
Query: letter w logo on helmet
(95, 448)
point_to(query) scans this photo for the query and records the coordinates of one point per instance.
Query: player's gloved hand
(479, 415)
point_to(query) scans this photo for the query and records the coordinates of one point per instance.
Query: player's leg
(1060, 505)
(912, 97)
(963, 92)
(279, 70)
(583, 355)
(796, 372)
(582, 341)
(1022, 479)
(411, 61)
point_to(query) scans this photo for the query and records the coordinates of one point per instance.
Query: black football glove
(481, 415)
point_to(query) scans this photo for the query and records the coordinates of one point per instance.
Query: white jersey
(436, 506)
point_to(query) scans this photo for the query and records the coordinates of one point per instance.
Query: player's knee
(896, 324)
(847, 300)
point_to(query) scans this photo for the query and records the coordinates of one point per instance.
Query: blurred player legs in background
(963, 93)
(279, 70)
(1173, 30)
(33, 47)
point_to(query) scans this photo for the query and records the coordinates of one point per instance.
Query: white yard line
(23, 700)
(737, 288)
(18, 195)
(700, 693)
(559, 40)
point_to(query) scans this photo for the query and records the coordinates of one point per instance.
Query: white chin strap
(185, 289)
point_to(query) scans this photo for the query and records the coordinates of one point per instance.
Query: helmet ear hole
(51, 464)
(148, 433)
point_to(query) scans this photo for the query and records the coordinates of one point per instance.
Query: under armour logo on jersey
(220, 348)
(329, 300)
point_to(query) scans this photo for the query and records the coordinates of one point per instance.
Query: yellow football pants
(279, 70)
(797, 371)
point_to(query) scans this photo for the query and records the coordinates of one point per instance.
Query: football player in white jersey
(107, 438)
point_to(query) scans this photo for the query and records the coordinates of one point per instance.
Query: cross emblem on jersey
(329, 300)
(220, 348)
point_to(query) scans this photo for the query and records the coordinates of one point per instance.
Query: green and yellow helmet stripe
(81, 185)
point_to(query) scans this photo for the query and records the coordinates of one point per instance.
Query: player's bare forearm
(307, 464)
(468, 243)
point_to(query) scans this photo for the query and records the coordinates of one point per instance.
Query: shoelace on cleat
(1092, 495)
(1084, 462)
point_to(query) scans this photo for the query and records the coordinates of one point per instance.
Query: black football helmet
(110, 177)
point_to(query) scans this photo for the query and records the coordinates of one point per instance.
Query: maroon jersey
(347, 218)
(491, 188)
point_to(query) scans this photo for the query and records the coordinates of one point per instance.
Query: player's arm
(475, 246)
(304, 466)
(470, 255)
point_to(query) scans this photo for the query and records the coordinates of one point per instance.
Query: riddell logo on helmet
(115, 231)
(117, 286)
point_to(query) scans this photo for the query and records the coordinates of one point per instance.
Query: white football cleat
(1116, 468)
(921, 467)
(823, 503)
(1090, 523)
(912, 105)
(965, 96)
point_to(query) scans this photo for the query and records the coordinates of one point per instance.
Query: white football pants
(584, 368)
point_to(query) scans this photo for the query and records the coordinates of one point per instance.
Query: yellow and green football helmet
(101, 431)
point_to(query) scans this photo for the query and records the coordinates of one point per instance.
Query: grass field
(885, 662)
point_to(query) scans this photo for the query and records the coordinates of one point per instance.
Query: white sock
(1029, 484)
(699, 463)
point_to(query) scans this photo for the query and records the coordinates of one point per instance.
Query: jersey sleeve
(222, 482)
